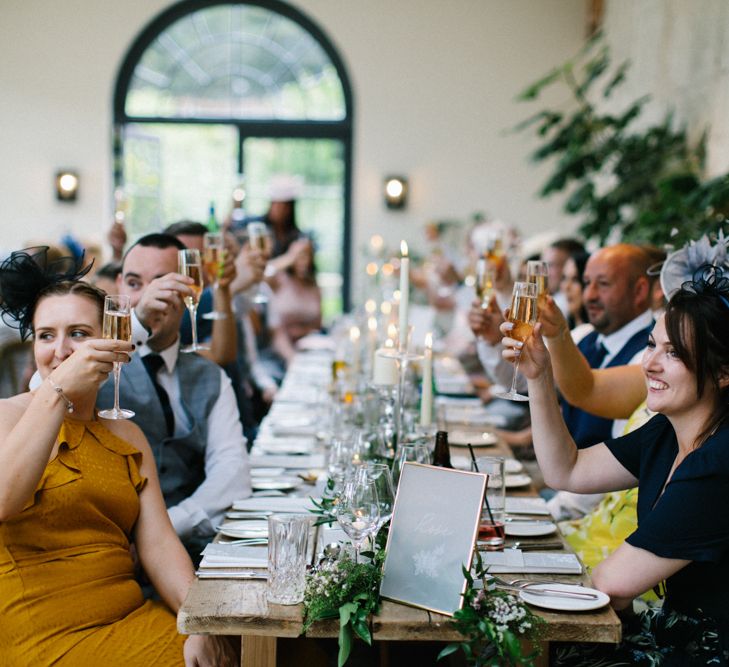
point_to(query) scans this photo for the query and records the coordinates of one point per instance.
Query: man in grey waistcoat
(184, 403)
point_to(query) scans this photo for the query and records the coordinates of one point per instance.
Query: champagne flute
(213, 258)
(494, 251)
(117, 326)
(259, 237)
(190, 265)
(523, 315)
(485, 281)
(536, 273)
(359, 512)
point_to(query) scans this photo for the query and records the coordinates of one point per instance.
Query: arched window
(214, 92)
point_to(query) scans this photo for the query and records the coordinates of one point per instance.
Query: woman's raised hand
(89, 365)
(554, 324)
(533, 355)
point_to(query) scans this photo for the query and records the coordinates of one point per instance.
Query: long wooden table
(235, 607)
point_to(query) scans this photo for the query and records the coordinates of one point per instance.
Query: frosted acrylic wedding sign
(432, 534)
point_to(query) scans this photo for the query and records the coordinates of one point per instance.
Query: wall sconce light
(396, 192)
(67, 182)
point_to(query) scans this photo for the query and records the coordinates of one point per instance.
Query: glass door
(320, 209)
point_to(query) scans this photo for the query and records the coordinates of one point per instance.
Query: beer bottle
(212, 220)
(442, 454)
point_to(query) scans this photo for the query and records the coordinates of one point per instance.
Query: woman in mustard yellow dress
(75, 492)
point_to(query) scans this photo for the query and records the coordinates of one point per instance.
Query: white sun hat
(285, 187)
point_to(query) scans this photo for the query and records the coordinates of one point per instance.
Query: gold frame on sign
(474, 536)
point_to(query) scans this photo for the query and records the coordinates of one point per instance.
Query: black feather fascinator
(25, 276)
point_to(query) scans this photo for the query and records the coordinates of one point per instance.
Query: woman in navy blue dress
(680, 462)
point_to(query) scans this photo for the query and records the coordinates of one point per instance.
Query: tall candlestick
(426, 396)
(404, 295)
(354, 336)
(371, 339)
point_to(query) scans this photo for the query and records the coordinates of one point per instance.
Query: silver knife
(550, 592)
(220, 573)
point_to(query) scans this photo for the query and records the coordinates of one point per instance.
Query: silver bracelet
(59, 391)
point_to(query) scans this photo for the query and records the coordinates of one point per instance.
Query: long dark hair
(580, 259)
(697, 325)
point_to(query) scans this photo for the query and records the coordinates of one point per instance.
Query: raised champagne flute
(259, 237)
(494, 250)
(190, 264)
(485, 281)
(536, 272)
(213, 259)
(523, 315)
(117, 326)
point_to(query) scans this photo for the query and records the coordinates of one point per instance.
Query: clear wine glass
(339, 459)
(190, 264)
(485, 282)
(523, 315)
(117, 326)
(536, 273)
(213, 259)
(259, 236)
(380, 474)
(359, 511)
(405, 453)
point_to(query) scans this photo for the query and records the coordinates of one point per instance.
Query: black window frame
(341, 130)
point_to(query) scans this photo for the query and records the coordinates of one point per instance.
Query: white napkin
(233, 555)
(285, 504)
(288, 461)
(287, 445)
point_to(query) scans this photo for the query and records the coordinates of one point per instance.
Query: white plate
(267, 472)
(240, 529)
(511, 466)
(277, 484)
(565, 603)
(534, 505)
(513, 481)
(477, 439)
(530, 528)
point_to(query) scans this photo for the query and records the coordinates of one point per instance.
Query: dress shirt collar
(169, 355)
(615, 341)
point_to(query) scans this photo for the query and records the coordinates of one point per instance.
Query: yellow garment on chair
(67, 590)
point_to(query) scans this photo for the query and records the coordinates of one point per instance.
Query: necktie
(596, 354)
(153, 362)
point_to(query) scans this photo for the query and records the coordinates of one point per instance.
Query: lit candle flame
(386, 308)
(354, 334)
(403, 248)
(391, 331)
(370, 306)
(372, 324)
(429, 341)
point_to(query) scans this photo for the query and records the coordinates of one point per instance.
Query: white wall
(679, 52)
(434, 84)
